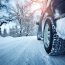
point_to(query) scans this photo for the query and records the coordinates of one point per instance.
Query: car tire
(38, 37)
(55, 44)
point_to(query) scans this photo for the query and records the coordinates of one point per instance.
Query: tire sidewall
(48, 21)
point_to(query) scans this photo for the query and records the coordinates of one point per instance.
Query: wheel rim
(47, 36)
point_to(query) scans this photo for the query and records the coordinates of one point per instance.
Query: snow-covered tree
(7, 15)
(24, 18)
(19, 14)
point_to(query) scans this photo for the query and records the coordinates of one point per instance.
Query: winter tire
(53, 44)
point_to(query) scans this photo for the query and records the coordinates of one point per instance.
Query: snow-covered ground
(26, 51)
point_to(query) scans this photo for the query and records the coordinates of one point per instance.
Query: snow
(9, 26)
(26, 51)
(6, 16)
(61, 28)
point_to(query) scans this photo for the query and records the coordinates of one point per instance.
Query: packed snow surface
(26, 51)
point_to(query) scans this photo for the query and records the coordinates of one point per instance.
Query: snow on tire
(57, 47)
